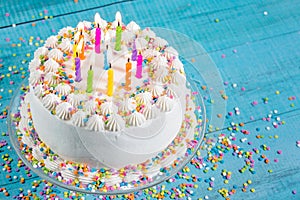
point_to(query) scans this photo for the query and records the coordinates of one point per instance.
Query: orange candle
(128, 75)
(81, 39)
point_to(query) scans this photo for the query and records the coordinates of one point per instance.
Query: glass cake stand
(195, 78)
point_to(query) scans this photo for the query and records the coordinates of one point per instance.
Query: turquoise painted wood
(253, 43)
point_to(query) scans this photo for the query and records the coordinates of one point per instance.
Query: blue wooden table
(250, 150)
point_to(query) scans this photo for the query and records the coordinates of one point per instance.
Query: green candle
(89, 87)
(118, 37)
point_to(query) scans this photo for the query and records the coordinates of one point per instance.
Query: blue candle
(106, 65)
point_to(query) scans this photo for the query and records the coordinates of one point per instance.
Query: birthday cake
(105, 96)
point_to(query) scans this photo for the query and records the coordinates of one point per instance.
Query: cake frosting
(131, 127)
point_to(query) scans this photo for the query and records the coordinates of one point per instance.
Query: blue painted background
(253, 43)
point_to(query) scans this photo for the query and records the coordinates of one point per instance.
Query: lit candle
(74, 54)
(78, 69)
(118, 32)
(80, 49)
(134, 52)
(98, 33)
(81, 41)
(128, 75)
(105, 63)
(110, 81)
(139, 66)
(89, 87)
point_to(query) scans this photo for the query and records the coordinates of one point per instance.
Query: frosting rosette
(150, 53)
(178, 78)
(76, 99)
(159, 62)
(150, 111)
(95, 123)
(63, 89)
(170, 93)
(165, 104)
(35, 77)
(51, 65)
(41, 51)
(141, 43)
(65, 31)
(161, 75)
(65, 45)
(128, 36)
(90, 107)
(107, 108)
(50, 101)
(136, 119)
(133, 27)
(170, 53)
(78, 118)
(159, 42)
(148, 33)
(51, 78)
(55, 54)
(38, 91)
(156, 90)
(127, 105)
(144, 97)
(87, 24)
(63, 110)
(51, 42)
(177, 64)
(34, 64)
(114, 123)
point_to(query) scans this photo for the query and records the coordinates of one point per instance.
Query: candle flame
(119, 17)
(97, 18)
(80, 26)
(76, 37)
(79, 46)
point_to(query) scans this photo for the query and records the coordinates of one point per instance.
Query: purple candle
(134, 52)
(97, 39)
(77, 69)
(139, 66)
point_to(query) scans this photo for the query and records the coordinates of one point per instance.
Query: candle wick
(128, 59)
(91, 67)
(76, 54)
(109, 65)
(118, 23)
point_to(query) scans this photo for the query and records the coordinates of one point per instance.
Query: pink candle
(139, 66)
(97, 39)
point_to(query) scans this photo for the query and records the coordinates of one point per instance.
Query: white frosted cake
(106, 95)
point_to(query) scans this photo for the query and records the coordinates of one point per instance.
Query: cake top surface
(106, 75)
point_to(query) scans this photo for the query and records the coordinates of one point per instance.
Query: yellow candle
(110, 81)
(74, 54)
